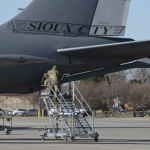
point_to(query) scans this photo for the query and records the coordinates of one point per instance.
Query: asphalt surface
(115, 134)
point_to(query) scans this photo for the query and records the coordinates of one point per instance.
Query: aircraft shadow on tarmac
(78, 141)
(27, 128)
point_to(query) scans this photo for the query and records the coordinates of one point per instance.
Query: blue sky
(138, 26)
(9, 8)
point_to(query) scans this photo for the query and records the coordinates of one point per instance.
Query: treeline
(130, 88)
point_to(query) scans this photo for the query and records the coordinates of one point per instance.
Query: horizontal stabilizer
(143, 63)
(16, 59)
(126, 50)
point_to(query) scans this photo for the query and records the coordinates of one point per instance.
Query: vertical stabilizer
(110, 18)
(71, 18)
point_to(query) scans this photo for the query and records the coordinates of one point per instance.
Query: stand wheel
(43, 138)
(65, 139)
(7, 132)
(73, 138)
(96, 139)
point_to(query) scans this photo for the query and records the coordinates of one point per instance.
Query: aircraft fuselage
(46, 46)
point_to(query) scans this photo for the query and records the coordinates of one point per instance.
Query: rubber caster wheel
(73, 138)
(96, 139)
(65, 139)
(7, 132)
(43, 138)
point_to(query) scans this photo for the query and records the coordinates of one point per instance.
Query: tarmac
(115, 134)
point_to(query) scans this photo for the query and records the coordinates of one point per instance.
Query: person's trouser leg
(46, 85)
(57, 89)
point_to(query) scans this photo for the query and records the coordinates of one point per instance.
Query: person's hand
(46, 75)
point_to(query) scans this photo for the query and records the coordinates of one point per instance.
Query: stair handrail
(50, 88)
(83, 107)
(60, 116)
(43, 77)
(83, 98)
(51, 118)
(59, 94)
(50, 80)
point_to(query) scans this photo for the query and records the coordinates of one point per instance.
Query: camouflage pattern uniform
(56, 77)
(46, 82)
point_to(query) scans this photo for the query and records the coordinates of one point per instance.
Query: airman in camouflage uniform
(56, 77)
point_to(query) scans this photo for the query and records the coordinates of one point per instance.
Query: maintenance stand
(6, 129)
(66, 115)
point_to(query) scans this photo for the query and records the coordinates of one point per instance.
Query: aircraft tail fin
(71, 18)
(110, 18)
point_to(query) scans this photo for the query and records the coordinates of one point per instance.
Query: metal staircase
(66, 119)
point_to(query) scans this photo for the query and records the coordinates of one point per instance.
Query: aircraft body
(70, 34)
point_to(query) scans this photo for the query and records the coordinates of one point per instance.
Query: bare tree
(139, 96)
(121, 76)
(34, 99)
(2, 99)
(142, 74)
(88, 92)
(102, 95)
(116, 90)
